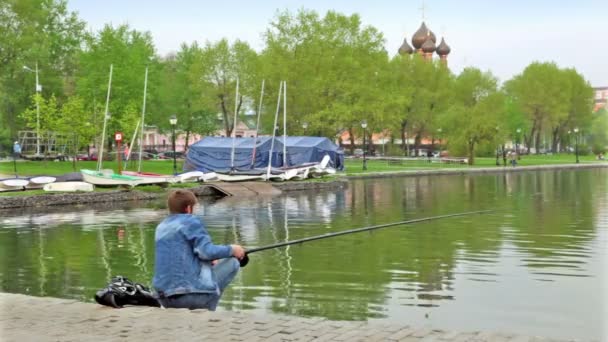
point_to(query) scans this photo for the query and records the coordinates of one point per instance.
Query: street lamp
(364, 126)
(517, 143)
(497, 148)
(576, 143)
(305, 126)
(173, 122)
(38, 90)
(439, 130)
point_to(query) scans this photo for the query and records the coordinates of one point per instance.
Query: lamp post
(439, 131)
(517, 143)
(38, 90)
(497, 148)
(173, 122)
(576, 143)
(364, 126)
(305, 126)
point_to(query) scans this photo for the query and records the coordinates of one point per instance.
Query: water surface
(536, 266)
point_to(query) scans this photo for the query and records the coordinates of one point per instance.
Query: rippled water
(536, 266)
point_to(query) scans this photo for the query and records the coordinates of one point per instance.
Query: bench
(394, 161)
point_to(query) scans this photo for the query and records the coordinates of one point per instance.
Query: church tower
(423, 42)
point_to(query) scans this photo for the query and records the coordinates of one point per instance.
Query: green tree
(34, 32)
(579, 107)
(334, 69)
(541, 92)
(130, 52)
(598, 136)
(419, 96)
(477, 109)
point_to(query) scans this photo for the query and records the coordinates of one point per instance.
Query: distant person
(126, 152)
(513, 158)
(16, 150)
(189, 270)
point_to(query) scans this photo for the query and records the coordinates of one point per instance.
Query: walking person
(16, 154)
(190, 271)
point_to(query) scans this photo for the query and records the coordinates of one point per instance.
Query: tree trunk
(504, 155)
(471, 150)
(555, 140)
(352, 140)
(417, 144)
(537, 140)
(227, 126)
(403, 137)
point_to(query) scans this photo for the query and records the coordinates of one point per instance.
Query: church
(424, 43)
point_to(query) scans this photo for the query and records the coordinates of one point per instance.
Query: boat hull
(69, 187)
(108, 178)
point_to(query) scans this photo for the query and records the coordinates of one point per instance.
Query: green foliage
(129, 52)
(476, 113)
(41, 32)
(337, 72)
(553, 101)
(598, 137)
(333, 67)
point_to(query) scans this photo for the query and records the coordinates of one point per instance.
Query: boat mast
(105, 121)
(285, 124)
(133, 140)
(143, 116)
(274, 131)
(257, 126)
(236, 104)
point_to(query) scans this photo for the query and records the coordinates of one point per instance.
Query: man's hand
(238, 251)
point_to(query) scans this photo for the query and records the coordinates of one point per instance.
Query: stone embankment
(25, 318)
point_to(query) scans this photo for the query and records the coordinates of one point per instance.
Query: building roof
(405, 48)
(421, 35)
(443, 49)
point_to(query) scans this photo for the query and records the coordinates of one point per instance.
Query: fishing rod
(245, 259)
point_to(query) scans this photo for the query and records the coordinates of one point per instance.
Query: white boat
(15, 182)
(150, 178)
(109, 178)
(69, 187)
(236, 177)
(197, 176)
(41, 180)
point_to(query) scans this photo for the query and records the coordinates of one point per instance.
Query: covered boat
(215, 153)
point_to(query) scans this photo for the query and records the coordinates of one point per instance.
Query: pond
(535, 266)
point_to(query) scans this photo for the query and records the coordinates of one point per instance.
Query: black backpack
(122, 291)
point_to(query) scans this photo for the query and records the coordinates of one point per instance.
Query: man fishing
(189, 270)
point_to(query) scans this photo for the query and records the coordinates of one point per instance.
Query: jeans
(224, 271)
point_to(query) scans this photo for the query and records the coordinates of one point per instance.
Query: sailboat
(155, 178)
(234, 175)
(107, 177)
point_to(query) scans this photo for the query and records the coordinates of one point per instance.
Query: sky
(498, 36)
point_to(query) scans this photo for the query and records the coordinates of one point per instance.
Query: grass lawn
(353, 166)
(53, 168)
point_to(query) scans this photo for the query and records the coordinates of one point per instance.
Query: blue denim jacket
(184, 252)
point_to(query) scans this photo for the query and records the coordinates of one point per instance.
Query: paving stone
(26, 318)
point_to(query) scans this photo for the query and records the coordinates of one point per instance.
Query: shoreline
(210, 189)
(55, 319)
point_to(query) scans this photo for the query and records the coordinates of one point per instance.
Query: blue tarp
(214, 153)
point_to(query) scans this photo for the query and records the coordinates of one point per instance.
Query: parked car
(358, 153)
(169, 155)
(144, 156)
(94, 157)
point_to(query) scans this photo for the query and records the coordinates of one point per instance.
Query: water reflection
(539, 260)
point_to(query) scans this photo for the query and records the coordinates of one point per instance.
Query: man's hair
(180, 199)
